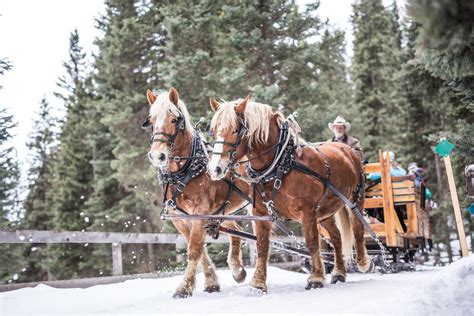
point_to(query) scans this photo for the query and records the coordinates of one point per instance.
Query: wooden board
(373, 203)
(373, 167)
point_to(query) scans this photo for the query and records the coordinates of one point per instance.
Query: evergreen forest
(409, 80)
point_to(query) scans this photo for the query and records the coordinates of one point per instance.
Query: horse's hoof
(370, 268)
(241, 277)
(314, 285)
(182, 294)
(337, 278)
(258, 291)
(212, 288)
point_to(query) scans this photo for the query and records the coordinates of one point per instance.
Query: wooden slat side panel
(404, 199)
(403, 191)
(412, 222)
(373, 203)
(373, 193)
(403, 184)
(375, 187)
(373, 167)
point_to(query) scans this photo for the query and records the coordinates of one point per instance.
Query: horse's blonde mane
(163, 106)
(257, 119)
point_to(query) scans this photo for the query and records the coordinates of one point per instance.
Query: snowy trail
(431, 291)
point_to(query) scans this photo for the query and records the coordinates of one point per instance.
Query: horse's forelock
(257, 119)
(225, 117)
(162, 106)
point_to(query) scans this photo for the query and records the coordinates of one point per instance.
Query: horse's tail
(343, 223)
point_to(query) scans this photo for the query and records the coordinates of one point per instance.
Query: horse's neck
(182, 148)
(263, 158)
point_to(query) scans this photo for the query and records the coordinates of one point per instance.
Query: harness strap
(302, 168)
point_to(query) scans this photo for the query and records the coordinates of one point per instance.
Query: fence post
(181, 252)
(117, 259)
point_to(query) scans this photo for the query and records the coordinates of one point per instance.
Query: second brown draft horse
(252, 130)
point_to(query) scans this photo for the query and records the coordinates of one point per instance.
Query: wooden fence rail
(115, 239)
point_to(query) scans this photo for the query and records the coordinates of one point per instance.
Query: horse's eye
(236, 131)
(174, 121)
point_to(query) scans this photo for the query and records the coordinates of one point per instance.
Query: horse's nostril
(149, 155)
(218, 170)
(162, 157)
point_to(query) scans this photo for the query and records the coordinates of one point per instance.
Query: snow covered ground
(429, 291)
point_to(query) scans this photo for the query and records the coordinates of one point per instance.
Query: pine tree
(445, 51)
(72, 169)
(37, 205)
(375, 66)
(125, 184)
(333, 95)
(10, 255)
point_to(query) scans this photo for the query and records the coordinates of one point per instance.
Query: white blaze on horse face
(216, 158)
(158, 153)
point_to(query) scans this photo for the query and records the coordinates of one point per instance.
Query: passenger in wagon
(339, 128)
(418, 172)
(395, 169)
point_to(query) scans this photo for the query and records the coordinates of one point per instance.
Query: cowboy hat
(341, 122)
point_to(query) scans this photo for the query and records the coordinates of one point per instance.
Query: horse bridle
(170, 138)
(232, 165)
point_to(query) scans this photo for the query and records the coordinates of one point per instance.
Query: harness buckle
(277, 184)
(170, 204)
(177, 158)
(180, 187)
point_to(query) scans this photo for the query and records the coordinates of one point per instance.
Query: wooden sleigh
(400, 207)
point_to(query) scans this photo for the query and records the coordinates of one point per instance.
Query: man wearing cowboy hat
(339, 128)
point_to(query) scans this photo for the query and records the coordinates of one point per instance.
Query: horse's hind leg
(364, 262)
(195, 254)
(339, 272)
(211, 283)
(234, 259)
(311, 233)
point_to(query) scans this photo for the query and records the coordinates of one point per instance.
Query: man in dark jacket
(339, 128)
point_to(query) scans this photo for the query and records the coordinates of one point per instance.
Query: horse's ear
(240, 109)
(214, 104)
(150, 96)
(174, 96)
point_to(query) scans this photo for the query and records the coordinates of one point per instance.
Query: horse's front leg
(339, 272)
(195, 252)
(263, 232)
(311, 233)
(210, 277)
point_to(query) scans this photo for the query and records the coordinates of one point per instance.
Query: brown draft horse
(201, 196)
(301, 196)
